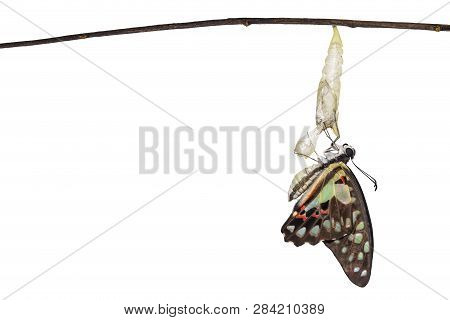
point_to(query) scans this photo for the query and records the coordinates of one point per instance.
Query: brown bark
(232, 21)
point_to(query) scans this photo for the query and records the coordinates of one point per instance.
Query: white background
(69, 159)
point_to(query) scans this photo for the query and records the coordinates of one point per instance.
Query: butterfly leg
(333, 146)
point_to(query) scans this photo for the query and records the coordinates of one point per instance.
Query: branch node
(437, 28)
(246, 23)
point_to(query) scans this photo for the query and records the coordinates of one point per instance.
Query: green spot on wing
(366, 247)
(355, 215)
(360, 226)
(301, 232)
(327, 192)
(343, 193)
(358, 238)
(337, 227)
(314, 231)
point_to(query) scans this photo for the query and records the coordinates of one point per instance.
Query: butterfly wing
(355, 250)
(333, 210)
(323, 211)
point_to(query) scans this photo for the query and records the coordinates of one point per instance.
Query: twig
(232, 21)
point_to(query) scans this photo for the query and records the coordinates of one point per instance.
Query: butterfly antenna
(368, 176)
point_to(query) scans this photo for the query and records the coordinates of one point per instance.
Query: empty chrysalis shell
(330, 86)
(327, 98)
(306, 145)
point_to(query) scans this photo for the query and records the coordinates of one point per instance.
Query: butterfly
(332, 209)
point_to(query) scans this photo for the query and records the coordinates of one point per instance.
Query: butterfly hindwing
(333, 210)
(323, 211)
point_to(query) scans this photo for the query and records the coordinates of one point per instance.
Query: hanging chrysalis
(331, 206)
(327, 98)
(330, 86)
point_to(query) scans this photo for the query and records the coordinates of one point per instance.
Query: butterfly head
(337, 152)
(348, 150)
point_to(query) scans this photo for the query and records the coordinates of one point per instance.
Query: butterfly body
(332, 209)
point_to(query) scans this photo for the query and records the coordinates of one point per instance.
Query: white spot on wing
(355, 215)
(348, 223)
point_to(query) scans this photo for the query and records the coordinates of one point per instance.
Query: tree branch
(232, 21)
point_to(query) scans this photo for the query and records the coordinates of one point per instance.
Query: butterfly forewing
(333, 210)
(355, 250)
